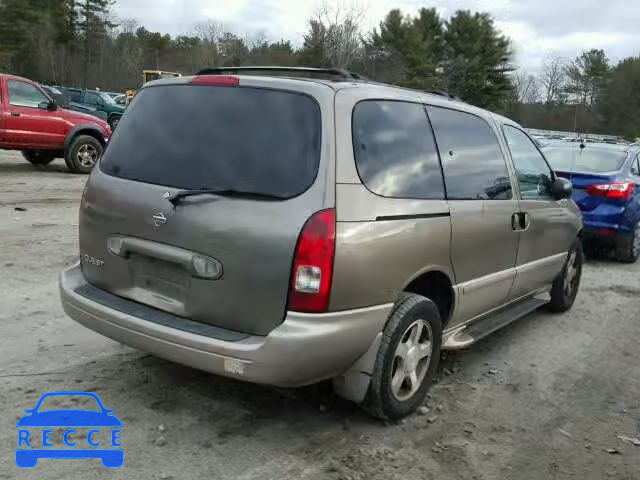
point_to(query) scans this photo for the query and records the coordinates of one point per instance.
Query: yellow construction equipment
(149, 76)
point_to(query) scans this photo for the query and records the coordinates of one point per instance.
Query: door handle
(520, 221)
(15, 114)
(515, 222)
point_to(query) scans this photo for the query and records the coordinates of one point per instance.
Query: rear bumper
(304, 349)
(608, 217)
(603, 229)
(594, 226)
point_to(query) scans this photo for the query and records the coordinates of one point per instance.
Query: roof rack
(443, 94)
(331, 72)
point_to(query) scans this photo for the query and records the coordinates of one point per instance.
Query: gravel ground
(545, 398)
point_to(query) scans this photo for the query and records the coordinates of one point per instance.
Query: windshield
(107, 98)
(196, 137)
(53, 90)
(587, 159)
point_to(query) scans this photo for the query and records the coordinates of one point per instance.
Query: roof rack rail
(331, 72)
(443, 94)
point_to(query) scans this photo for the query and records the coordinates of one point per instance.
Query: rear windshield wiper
(175, 197)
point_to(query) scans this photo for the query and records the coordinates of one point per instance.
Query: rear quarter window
(395, 151)
(211, 137)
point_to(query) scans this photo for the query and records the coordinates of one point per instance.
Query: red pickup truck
(30, 121)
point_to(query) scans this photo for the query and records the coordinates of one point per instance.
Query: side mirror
(561, 188)
(50, 106)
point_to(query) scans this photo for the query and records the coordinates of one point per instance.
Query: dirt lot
(543, 399)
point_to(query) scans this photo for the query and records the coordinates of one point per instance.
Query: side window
(635, 166)
(534, 175)
(23, 94)
(74, 95)
(473, 164)
(395, 152)
(91, 98)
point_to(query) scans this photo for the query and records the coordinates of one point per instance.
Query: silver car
(287, 226)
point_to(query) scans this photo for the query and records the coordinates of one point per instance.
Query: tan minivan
(286, 226)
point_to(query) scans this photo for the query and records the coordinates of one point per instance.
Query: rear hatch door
(580, 182)
(587, 165)
(222, 259)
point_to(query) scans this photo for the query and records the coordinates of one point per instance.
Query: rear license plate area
(159, 277)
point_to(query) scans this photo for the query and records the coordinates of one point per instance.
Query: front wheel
(407, 358)
(83, 154)
(38, 157)
(565, 287)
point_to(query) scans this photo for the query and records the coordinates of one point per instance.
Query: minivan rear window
(245, 139)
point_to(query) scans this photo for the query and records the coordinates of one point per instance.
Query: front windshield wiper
(175, 197)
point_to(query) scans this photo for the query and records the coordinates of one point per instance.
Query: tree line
(82, 43)
(585, 94)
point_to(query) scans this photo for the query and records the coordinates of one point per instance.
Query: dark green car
(101, 101)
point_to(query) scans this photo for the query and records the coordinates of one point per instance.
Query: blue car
(32, 446)
(606, 187)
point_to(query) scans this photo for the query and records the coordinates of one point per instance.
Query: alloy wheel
(571, 274)
(87, 155)
(411, 360)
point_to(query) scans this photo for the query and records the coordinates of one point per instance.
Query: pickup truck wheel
(113, 121)
(565, 287)
(38, 157)
(407, 359)
(83, 154)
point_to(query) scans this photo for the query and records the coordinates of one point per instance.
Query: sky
(538, 28)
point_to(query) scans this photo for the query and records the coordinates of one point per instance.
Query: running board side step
(467, 335)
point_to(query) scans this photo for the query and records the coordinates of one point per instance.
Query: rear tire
(83, 154)
(628, 246)
(38, 157)
(407, 359)
(566, 285)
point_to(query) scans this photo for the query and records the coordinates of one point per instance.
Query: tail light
(313, 264)
(614, 190)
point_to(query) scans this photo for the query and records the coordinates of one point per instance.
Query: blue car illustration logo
(46, 427)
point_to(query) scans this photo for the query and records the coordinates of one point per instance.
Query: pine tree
(313, 52)
(417, 42)
(16, 17)
(476, 60)
(91, 18)
(587, 74)
(619, 104)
